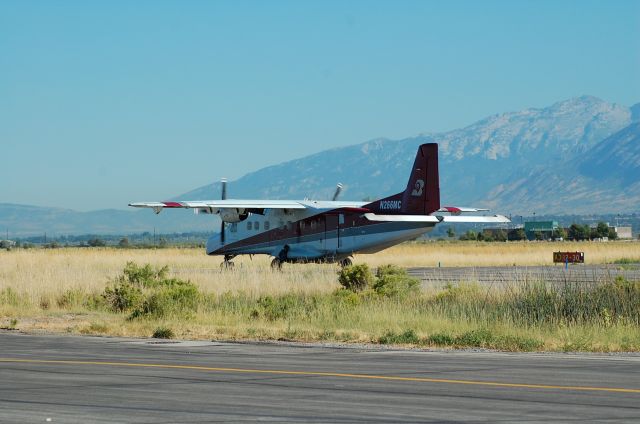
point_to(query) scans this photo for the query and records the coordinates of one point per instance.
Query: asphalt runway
(72, 379)
(505, 275)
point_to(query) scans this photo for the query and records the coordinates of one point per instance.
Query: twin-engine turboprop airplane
(329, 231)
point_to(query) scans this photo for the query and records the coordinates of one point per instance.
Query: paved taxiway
(90, 379)
(507, 275)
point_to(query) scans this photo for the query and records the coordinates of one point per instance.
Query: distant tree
(579, 232)
(96, 242)
(480, 236)
(612, 234)
(518, 234)
(560, 233)
(469, 235)
(501, 235)
(451, 232)
(124, 242)
(163, 242)
(602, 230)
(538, 235)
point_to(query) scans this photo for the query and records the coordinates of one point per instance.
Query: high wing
(214, 206)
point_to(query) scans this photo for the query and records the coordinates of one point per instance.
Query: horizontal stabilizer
(475, 219)
(401, 218)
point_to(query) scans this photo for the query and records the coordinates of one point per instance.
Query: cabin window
(266, 225)
(256, 225)
(233, 227)
(302, 225)
(313, 225)
(248, 225)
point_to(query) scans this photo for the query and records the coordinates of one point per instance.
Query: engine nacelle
(233, 215)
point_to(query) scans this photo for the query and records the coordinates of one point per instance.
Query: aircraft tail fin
(422, 195)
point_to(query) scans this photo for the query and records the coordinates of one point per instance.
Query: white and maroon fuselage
(321, 232)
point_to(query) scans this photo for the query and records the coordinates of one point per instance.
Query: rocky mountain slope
(513, 162)
(578, 156)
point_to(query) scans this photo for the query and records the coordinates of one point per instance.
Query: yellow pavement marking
(323, 374)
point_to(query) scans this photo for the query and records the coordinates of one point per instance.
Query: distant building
(6, 244)
(542, 230)
(623, 232)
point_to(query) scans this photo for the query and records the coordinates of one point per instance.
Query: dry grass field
(56, 290)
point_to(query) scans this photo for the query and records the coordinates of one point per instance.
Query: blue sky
(103, 103)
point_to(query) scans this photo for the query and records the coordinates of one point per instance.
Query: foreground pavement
(54, 378)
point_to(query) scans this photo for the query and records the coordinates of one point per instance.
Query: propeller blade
(223, 181)
(338, 191)
(224, 188)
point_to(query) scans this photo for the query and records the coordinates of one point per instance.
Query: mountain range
(577, 156)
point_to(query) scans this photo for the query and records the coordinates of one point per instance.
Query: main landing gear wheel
(276, 264)
(346, 262)
(227, 265)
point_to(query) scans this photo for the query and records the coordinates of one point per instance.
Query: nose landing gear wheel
(346, 262)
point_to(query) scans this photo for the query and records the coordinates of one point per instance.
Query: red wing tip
(172, 204)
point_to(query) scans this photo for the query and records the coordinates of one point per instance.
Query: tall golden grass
(42, 279)
(43, 271)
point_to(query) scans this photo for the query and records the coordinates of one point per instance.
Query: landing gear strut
(276, 264)
(227, 264)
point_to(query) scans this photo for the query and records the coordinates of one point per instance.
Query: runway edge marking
(324, 374)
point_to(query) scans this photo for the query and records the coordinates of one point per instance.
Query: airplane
(300, 231)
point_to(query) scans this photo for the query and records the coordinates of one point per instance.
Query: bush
(279, 307)
(179, 299)
(441, 339)
(355, 277)
(123, 296)
(393, 281)
(406, 337)
(145, 276)
(163, 333)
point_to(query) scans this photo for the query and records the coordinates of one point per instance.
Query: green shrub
(441, 339)
(180, 299)
(163, 333)
(123, 296)
(475, 338)
(145, 276)
(345, 297)
(280, 307)
(406, 337)
(396, 285)
(71, 298)
(390, 270)
(355, 277)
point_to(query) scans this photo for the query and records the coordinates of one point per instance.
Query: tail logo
(417, 189)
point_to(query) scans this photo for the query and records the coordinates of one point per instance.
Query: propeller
(224, 197)
(338, 191)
